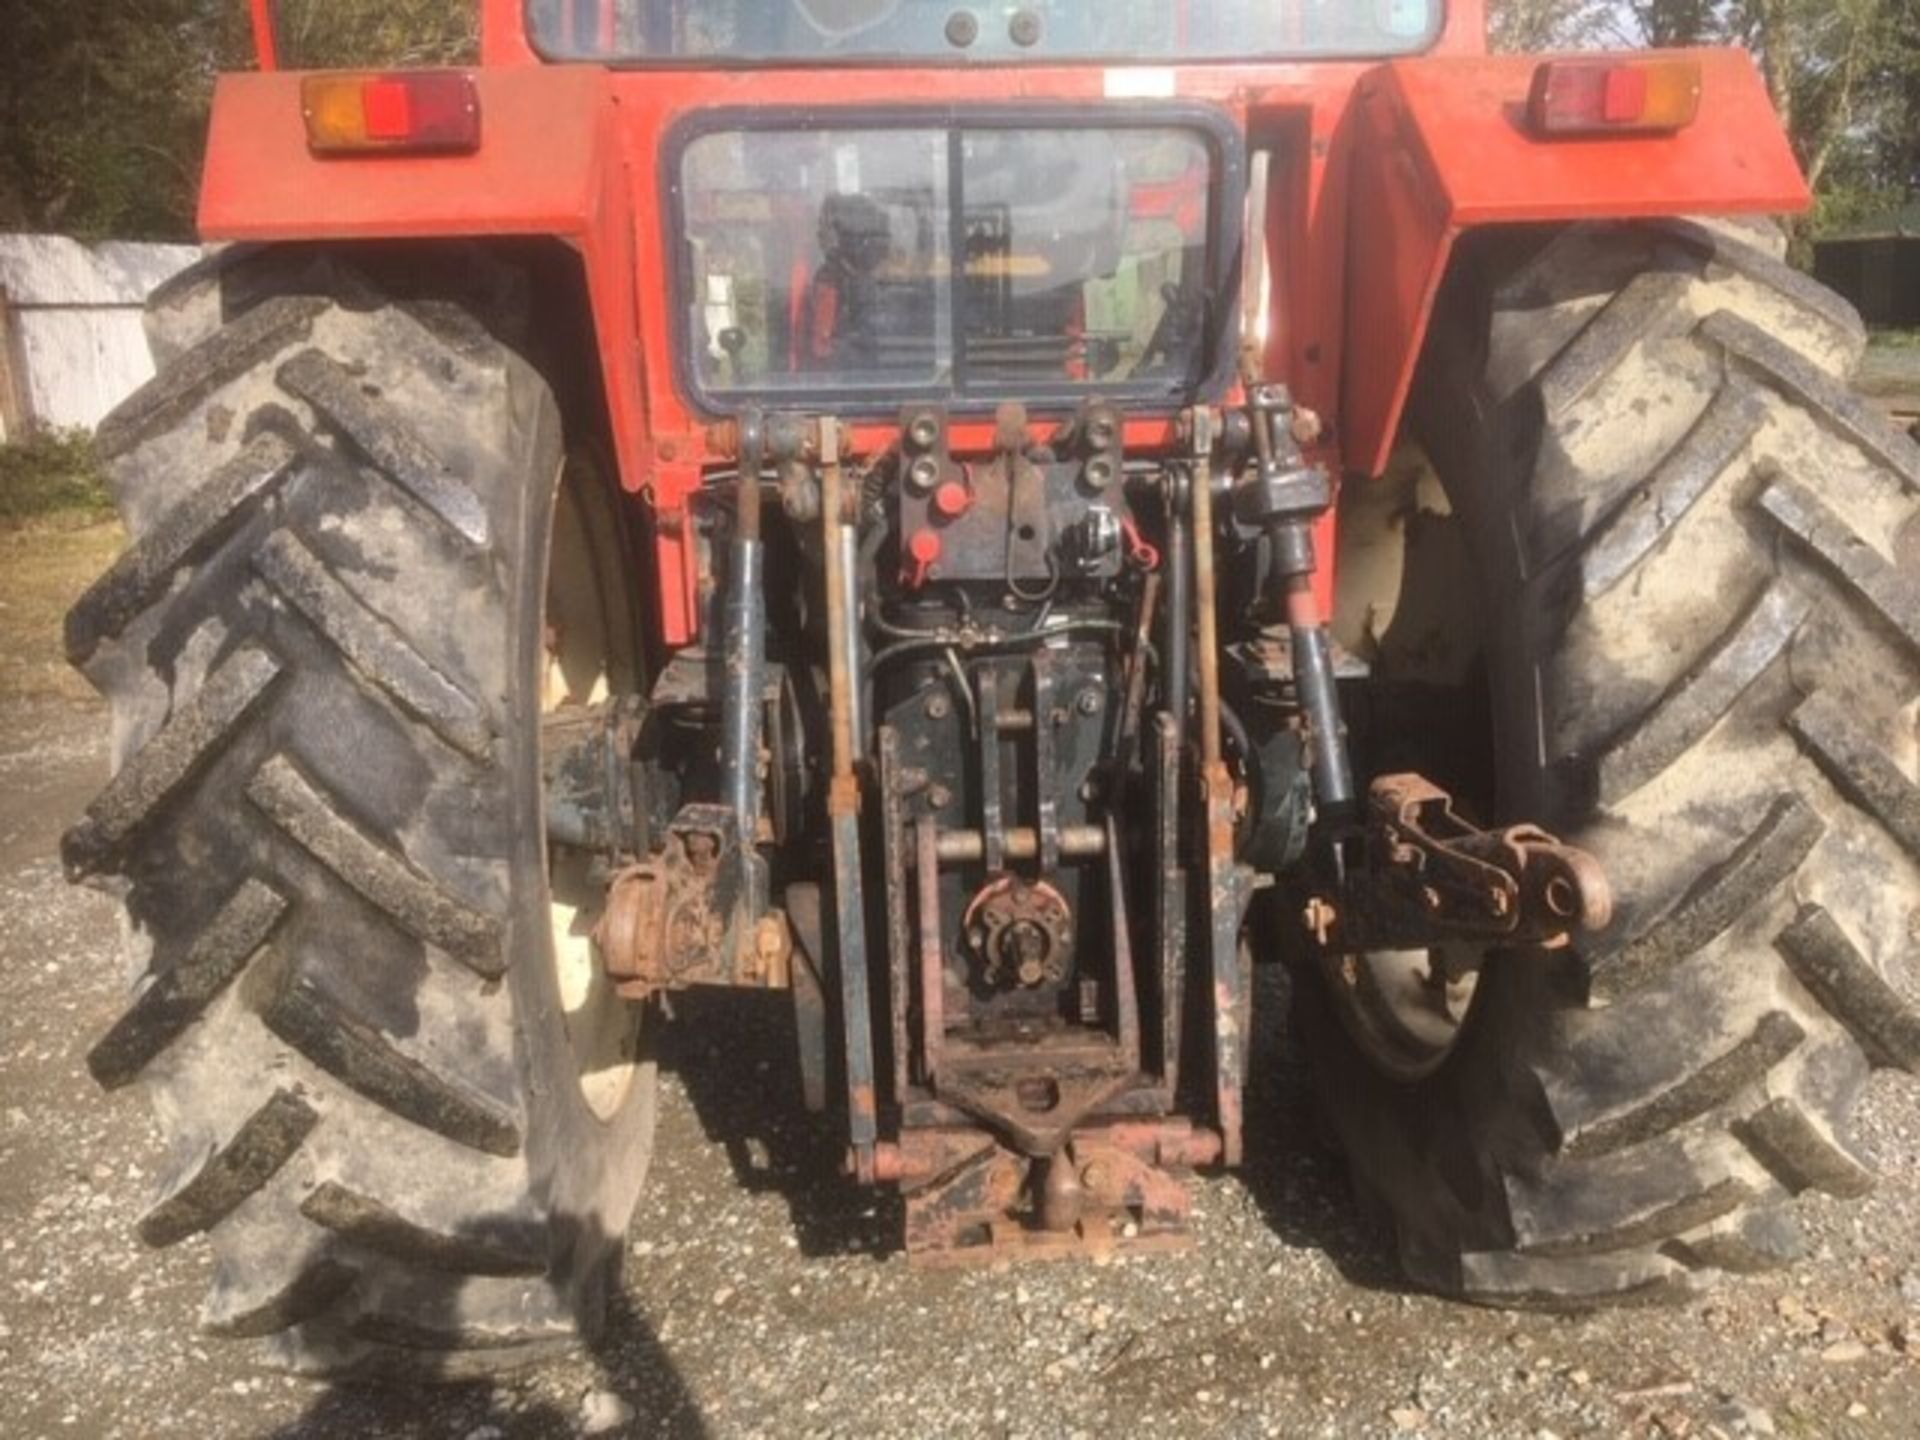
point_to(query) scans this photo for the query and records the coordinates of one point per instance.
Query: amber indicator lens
(412, 113)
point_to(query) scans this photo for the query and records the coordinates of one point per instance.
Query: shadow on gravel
(746, 1091)
(1295, 1173)
(637, 1389)
(736, 1054)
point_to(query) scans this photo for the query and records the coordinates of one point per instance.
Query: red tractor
(996, 519)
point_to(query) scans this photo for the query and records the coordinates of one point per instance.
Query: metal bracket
(680, 918)
(1430, 876)
(1116, 1188)
(591, 788)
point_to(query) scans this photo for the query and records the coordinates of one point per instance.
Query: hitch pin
(1139, 550)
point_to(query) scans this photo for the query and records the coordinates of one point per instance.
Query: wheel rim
(584, 667)
(1405, 1009)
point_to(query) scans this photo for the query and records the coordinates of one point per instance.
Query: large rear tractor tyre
(1701, 623)
(412, 1130)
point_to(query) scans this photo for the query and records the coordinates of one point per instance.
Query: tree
(103, 103)
(319, 34)
(1844, 74)
(1671, 23)
(103, 109)
(1524, 26)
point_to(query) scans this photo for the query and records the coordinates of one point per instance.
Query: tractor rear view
(997, 520)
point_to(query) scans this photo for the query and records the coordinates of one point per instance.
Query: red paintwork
(1390, 165)
(266, 45)
(1440, 150)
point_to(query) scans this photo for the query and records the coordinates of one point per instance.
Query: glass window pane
(819, 260)
(1086, 255)
(984, 31)
(822, 262)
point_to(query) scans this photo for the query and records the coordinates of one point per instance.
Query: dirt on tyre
(1699, 556)
(325, 652)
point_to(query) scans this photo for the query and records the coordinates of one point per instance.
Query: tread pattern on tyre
(378, 653)
(180, 992)
(1755, 869)
(184, 537)
(215, 1185)
(368, 1222)
(387, 440)
(189, 740)
(1722, 654)
(1852, 990)
(1656, 1009)
(1751, 1242)
(206, 370)
(310, 817)
(415, 902)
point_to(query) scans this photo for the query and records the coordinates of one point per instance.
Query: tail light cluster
(411, 113)
(438, 111)
(1614, 97)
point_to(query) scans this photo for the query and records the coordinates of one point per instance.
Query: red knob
(952, 500)
(924, 549)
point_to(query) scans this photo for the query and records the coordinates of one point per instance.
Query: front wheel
(410, 1123)
(1702, 638)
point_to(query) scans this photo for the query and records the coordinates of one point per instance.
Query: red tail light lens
(411, 113)
(1612, 97)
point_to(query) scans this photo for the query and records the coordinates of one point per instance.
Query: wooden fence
(71, 342)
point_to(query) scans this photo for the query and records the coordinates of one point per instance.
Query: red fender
(1439, 146)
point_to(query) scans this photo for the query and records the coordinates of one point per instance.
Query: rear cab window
(749, 32)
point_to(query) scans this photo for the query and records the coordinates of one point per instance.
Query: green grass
(57, 534)
(52, 478)
(1895, 339)
(44, 567)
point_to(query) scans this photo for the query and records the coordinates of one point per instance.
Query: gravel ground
(761, 1298)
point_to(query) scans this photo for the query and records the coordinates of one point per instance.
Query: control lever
(745, 640)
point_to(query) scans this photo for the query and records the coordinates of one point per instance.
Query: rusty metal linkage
(1431, 876)
(843, 810)
(1110, 1189)
(1229, 885)
(672, 921)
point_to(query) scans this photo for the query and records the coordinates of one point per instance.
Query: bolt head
(923, 475)
(924, 430)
